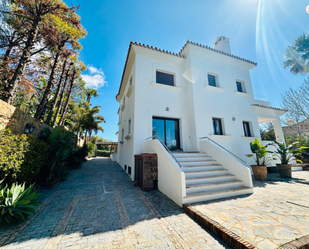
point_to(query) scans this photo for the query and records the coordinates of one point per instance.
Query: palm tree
(298, 55)
(91, 92)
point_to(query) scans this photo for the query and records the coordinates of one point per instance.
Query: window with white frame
(165, 78)
(131, 81)
(240, 86)
(124, 100)
(247, 128)
(122, 134)
(212, 80)
(217, 126)
(129, 127)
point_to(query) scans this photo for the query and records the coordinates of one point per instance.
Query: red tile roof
(216, 50)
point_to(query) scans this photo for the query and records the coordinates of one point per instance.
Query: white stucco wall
(190, 101)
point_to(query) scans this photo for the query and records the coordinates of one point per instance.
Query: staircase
(206, 179)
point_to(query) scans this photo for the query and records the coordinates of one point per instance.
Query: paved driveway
(97, 207)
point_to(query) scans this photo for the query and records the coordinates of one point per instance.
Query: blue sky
(259, 30)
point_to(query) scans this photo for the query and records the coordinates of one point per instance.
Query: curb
(227, 236)
(302, 243)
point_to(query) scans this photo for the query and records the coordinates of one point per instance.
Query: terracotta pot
(285, 170)
(259, 172)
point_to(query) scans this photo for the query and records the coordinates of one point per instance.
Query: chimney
(223, 43)
(290, 122)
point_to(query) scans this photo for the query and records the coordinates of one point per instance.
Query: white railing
(234, 164)
(171, 178)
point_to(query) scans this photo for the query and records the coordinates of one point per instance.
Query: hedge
(103, 153)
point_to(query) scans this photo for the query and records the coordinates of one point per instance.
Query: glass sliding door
(168, 131)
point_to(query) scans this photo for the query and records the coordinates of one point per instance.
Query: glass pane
(164, 78)
(158, 129)
(247, 129)
(217, 126)
(212, 80)
(172, 134)
(239, 86)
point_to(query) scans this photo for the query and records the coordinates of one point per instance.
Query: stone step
(191, 188)
(205, 162)
(202, 167)
(178, 155)
(216, 194)
(205, 173)
(193, 159)
(207, 179)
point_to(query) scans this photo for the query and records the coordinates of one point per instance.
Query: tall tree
(91, 92)
(37, 13)
(297, 55)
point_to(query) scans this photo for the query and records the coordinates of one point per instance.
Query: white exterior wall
(194, 104)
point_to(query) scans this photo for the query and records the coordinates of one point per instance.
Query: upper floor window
(165, 78)
(240, 86)
(124, 100)
(212, 80)
(247, 130)
(217, 126)
(131, 81)
(122, 134)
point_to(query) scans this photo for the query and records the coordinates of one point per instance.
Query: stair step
(212, 178)
(206, 162)
(181, 155)
(206, 173)
(193, 159)
(212, 186)
(216, 194)
(201, 168)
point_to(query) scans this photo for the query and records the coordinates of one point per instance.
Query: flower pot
(285, 170)
(259, 172)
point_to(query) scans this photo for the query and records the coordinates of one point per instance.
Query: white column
(278, 130)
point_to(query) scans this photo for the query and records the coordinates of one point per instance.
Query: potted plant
(286, 154)
(259, 154)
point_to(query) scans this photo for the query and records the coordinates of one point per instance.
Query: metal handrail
(238, 158)
(165, 147)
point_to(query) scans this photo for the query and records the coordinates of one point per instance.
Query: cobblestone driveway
(276, 213)
(97, 207)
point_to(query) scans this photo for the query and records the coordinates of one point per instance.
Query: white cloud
(95, 78)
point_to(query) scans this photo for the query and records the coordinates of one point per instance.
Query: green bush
(104, 153)
(90, 149)
(21, 158)
(17, 203)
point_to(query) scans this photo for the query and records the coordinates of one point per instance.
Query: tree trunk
(65, 109)
(61, 98)
(88, 98)
(42, 106)
(55, 101)
(10, 90)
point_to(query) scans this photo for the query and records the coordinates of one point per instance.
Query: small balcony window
(129, 127)
(217, 126)
(165, 78)
(240, 86)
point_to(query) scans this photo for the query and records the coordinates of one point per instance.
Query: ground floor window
(247, 130)
(217, 126)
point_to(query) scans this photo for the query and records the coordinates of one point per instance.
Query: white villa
(199, 103)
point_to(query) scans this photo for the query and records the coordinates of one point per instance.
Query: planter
(285, 170)
(259, 172)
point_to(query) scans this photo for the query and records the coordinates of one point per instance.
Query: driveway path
(97, 207)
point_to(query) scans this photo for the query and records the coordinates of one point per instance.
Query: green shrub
(16, 203)
(90, 149)
(21, 158)
(104, 153)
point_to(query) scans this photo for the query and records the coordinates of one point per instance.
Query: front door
(167, 130)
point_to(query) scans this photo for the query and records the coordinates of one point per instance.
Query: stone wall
(16, 120)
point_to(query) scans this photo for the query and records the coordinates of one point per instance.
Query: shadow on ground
(98, 206)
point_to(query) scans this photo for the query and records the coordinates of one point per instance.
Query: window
(239, 86)
(122, 134)
(212, 80)
(165, 78)
(217, 125)
(247, 131)
(131, 81)
(124, 100)
(129, 129)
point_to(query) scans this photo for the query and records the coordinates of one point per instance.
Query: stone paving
(97, 207)
(276, 213)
